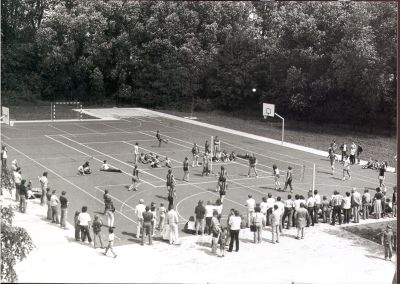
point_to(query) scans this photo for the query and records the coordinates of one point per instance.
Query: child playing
(167, 162)
(275, 172)
(222, 241)
(161, 213)
(111, 237)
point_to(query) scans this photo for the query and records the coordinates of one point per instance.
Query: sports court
(60, 147)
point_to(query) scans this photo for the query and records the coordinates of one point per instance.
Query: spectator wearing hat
(64, 206)
(200, 212)
(387, 240)
(23, 195)
(44, 182)
(250, 204)
(139, 210)
(54, 201)
(84, 224)
(97, 223)
(147, 225)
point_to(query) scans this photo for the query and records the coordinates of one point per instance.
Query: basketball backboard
(268, 110)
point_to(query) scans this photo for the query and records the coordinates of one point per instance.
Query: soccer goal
(66, 110)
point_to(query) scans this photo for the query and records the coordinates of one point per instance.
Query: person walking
(347, 208)
(97, 224)
(336, 203)
(366, 204)
(200, 212)
(136, 153)
(252, 165)
(289, 179)
(288, 213)
(23, 195)
(135, 179)
(355, 204)
(44, 182)
(64, 209)
(250, 204)
(84, 224)
(332, 160)
(301, 217)
(186, 169)
(387, 241)
(258, 220)
(139, 210)
(343, 148)
(54, 201)
(346, 167)
(381, 176)
(110, 245)
(172, 218)
(147, 225)
(234, 224)
(160, 140)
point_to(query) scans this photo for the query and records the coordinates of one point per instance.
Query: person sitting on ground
(155, 163)
(84, 169)
(167, 162)
(107, 168)
(190, 227)
(224, 156)
(369, 164)
(232, 156)
(217, 157)
(33, 193)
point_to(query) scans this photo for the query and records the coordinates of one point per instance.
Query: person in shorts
(136, 153)
(185, 169)
(332, 158)
(275, 172)
(252, 165)
(346, 167)
(223, 174)
(135, 179)
(217, 145)
(107, 168)
(206, 164)
(195, 153)
(160, 140)
(110, 245)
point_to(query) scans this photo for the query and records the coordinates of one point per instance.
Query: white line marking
(59, 129)
(115, 141)
(86, 128)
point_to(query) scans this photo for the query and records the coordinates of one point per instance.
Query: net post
(211, 152)
(313, 179)
(81, 110)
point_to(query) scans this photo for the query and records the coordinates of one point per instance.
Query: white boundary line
(86, 128)
(52, 126)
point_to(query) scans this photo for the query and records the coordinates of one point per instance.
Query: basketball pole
(313, 179)
(283, 126)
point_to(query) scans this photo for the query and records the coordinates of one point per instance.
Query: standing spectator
(97, 223)
(289, 206)
(366, 203)
(17, 181)
(154, 220)
(195, 154)
(215, 231)
(48, 197)
(332, 159)
(381, 177)
(106, 199)
(135, 179)
(43, 184)
(64, 206)
(171, 187)
(77, 227)
(139, 209)
(353, 150)
(209, 213)
(317, 205)
(206, 163)
(387, 240)
(252, 165)
(172, 218)
(147, 227)
(289, 178)
(347, 208)
(296, 202)
(217, 145)
(343, 148)
(358, 152)
(250, 204)
(275, 223)
(301, 216)
(110, 245)
(394, 201)
(336, 203)
(186, 169)
(258, 219)
(281, 208)
(355, 204)
(54, 201)
(310, 204)
(223, 241)
(110, 209)
(207, 147)
(200, 213)
(346, 167)
(231, 214)
(23, 195)
(264, 207)
(218, 207)
(3, 157)
(84, 224)
(161, 214)
(377, 204)
(325, 210)
(270, 202)
(14, 165)
(136, 153)
(234, 223)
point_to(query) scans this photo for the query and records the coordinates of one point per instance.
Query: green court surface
(60, 147)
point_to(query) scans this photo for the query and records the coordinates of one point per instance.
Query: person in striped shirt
(289, 178)
(223, 174)
(336, 203)
(195, 153)
(171, 187)
(186, 169)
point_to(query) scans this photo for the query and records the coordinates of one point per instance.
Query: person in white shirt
(264, 206)
(209, 214)
(275, 223)
(356, 202)
(84, 224)
(250, 204)
(43, 184)
(54, 201)
(3, 157)
(136, 153)
(275, 172)
(281, 208)
(317, 205)
(270, 207)
(310, 204)
(347, 208)
(14, 165)
(289, 208)
(346, 167)
(84, 169)
(17, 181)
(353, 149)
(111, 237)
(172, 218)
(234, 225)
(107, 168)
(139, 209)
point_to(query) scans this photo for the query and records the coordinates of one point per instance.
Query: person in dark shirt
(160, 140)
(200, 212)
(48, 196)
(147, 225)
(394, 201)
(64, 206)
(23, 194)
(252, 165)
(97, 223)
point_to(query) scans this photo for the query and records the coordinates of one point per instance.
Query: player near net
(160, 140)
(252, 165)
(195, 153)
(275, 172)
(206, 164)
(171, 183)
(135, 179)
(223, 175)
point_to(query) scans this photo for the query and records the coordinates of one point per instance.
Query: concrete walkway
(328, 254)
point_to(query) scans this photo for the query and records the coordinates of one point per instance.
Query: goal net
(66, 110)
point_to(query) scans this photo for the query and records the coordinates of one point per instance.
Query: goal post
(59, 110)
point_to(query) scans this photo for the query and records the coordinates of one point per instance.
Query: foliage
(15, 245)
(322, 61)
(6, 180)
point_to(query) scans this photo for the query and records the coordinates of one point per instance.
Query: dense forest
(317, 61)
